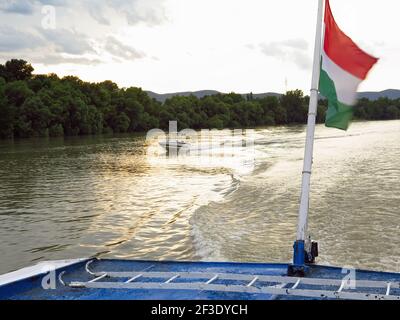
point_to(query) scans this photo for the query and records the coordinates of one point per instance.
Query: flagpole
(298, 267)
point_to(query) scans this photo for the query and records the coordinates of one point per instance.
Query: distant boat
(170, 145)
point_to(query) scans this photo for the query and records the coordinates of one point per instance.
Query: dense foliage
(45, 105)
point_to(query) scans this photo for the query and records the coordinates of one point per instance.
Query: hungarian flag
(344, 65)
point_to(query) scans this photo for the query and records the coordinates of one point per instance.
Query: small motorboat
(171, 145)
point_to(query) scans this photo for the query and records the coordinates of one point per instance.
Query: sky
(187, 45)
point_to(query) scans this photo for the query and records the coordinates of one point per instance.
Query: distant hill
(202, 93)
(390, 93)
(263, 95)
(164, 96)
(371, 95)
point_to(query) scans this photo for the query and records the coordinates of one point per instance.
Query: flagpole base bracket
(298, 268)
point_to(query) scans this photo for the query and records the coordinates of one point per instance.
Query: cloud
(149, 12)
(302, 60)
(68, 41)
(63, 46)
(299, 44)
(54, 2)
(273, 49)
(54, 59)
(12, 39)
(120, 50)
(22, 35)
(25, 7)
(97, 13)
(293, 50)
(50, 47)
(279, 48)
(250, 46)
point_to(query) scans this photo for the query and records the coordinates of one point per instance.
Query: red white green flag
(343, 67)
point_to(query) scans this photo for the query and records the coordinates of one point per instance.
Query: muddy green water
(114, 197)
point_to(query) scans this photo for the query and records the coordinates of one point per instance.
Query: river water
(122, 197)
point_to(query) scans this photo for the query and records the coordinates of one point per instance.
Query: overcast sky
(182, 45)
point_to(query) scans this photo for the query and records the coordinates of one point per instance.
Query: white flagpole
(298, 259)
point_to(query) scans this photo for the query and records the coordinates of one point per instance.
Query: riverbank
(45, 105)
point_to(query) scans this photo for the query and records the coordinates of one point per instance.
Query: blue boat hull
(69, 282)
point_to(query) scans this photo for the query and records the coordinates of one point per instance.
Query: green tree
(391, 112)
(6, 114)
(17, 92)
(295, 107)
(321, 114)
(121, 123)
(15, 70)
(37, 105)
(216, 122)
(273, 112)
(36, 116)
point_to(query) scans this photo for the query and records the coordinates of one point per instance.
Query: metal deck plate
(239, 283)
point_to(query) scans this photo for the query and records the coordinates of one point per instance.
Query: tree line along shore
(33, 105)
